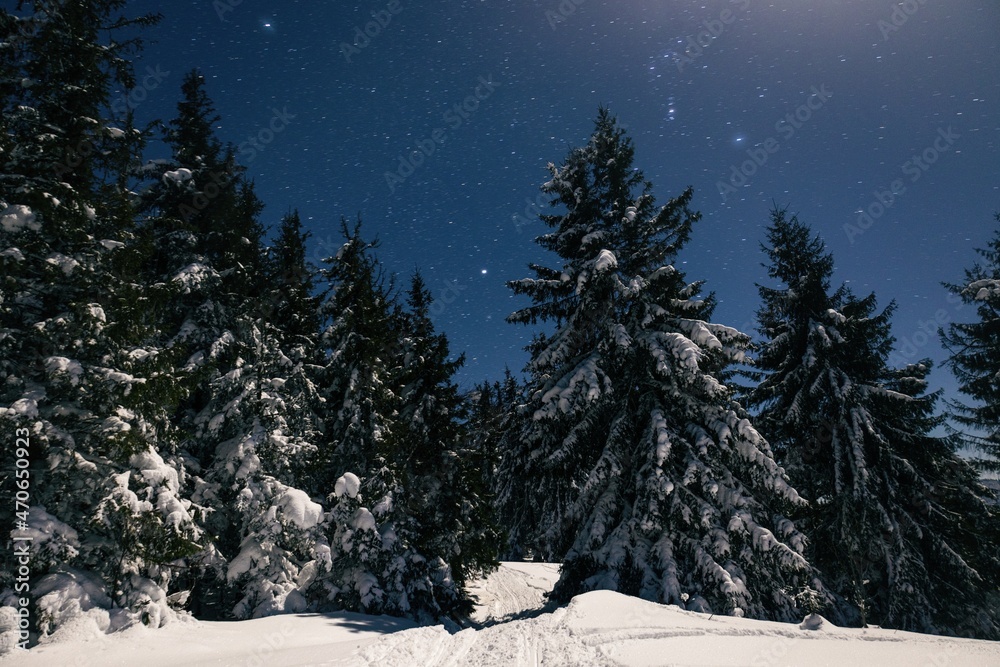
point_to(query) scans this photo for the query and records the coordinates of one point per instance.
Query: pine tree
(408, 522)
(245, 403)
(265, 415)
(262, 415)
(490, 411)
(107, 519)
(443, 512)
(291, 303)
(974, 350)
(647, 477)
(360, 337)
(362, 570)
(894, 512)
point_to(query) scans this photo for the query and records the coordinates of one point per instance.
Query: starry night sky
(330, 119)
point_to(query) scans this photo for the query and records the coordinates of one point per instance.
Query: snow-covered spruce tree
(648, 478)
(105, 513)
(246, 403)
(292, 304)
(264, 415)
(894, 513)
(360, 339)
(974, 349)
(290, 310)
(408, 526)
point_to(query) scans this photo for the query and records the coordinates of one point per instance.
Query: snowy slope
(307, 639)
(604, 628)
(599, 628)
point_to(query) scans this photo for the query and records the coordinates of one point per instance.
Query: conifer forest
(198, 419)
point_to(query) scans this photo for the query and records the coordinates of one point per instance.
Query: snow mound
(814, 622)
(597, 628)
(177, 176)
(299, 509)
(17, 217)
(514, 588)
(347, 484)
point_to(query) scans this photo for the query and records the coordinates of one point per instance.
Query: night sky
(835, 98)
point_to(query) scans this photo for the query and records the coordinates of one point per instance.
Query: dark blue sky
(330, 121)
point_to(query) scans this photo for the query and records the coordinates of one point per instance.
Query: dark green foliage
(628, 460)
(893, 511)
(974, 349)
(395, 421)
(446, 500)
(74, 372)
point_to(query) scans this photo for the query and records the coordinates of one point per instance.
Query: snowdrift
(598, 628)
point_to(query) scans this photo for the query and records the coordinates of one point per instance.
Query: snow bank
(597, 628)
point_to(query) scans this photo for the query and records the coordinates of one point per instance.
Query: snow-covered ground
(599, 628)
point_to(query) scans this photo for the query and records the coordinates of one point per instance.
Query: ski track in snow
(534, 641)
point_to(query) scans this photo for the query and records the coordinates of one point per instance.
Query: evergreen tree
(444, 516)
(408, 523)
(360, 337)
(291, 303)
(631, 462)
(265, 415)
(107, 519)
(365, 560)
(490, 411)
(245, 404)
(974, 349)
(894, 511)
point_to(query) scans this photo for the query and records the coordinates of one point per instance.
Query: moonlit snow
(597, 628)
